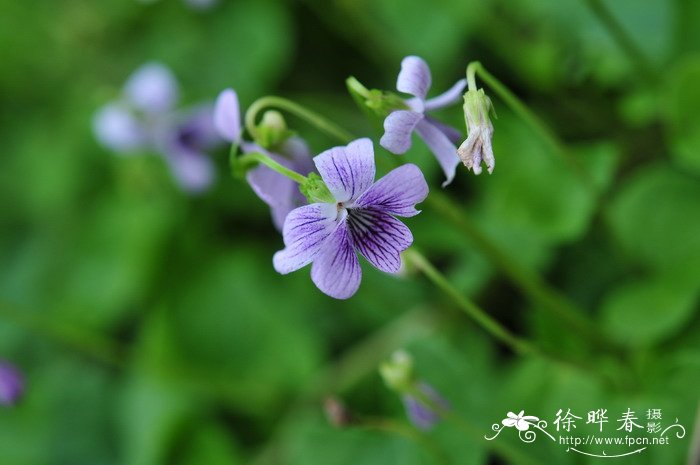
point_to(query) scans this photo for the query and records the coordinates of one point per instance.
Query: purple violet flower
(361, 219)
(11, 384)
(422, 416)
(280, 193)
(145, 119)
(415, 79)
(184, 141)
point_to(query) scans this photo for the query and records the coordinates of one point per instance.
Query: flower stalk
(311, 117)
(528, 116)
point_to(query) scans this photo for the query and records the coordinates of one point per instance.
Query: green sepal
(272, 130)
(374, 102)
(315, 190)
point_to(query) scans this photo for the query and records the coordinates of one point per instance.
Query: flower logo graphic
(521, 421)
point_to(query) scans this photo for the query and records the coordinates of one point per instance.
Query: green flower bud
(272, 130)
(397, 372)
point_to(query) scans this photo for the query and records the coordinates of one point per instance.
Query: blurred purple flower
(117, 128)
(152, 88)
(201, 4)
(145, 119)
(11, 384)
(360, 219)
(183, 144)
(415, 79)
(280, 193)
(422, 416)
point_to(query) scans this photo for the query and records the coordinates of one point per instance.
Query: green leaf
(647, 311)
(655, 218)
(532, 191)
(682, 111)
(243, 323)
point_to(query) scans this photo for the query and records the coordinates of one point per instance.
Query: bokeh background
(152, 329)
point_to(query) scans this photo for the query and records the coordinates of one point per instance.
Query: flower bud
(272, 130)
(397, 372)
(477, 147)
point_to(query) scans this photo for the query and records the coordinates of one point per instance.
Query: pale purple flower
(415, 79)
(361, 219)
(11, 384)
(521, 421)
(184, 142)
(152, 88)
(144, 118)
(280, 193)
(423, 416)
(117, 128)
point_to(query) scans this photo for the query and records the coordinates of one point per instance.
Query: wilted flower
(415, 79)
(520, 421)
(357, 216)
(280, 193)
(477, 147)
(145, 119)
(424, 416)
(420, 400)
(11, 384)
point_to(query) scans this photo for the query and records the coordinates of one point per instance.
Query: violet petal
(347, 171)
(336, 270)
(152, 88)
(452, 95)
(116, 128)
(193, 171)
(305, 231)
(414, 77)
(227, 116)
(453, 134)
(444, 150)
(398, 128)
(397, 192)
(379, 237)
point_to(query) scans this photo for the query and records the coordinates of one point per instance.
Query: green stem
(313, 118)
(527, 115)
(253, 158)
(529, 282)
(483, 319)
(519, 346)
(623, 39)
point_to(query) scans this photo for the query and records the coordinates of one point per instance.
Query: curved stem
(623, 39)
(520, 109)
(253, 158)
(529, 282)
(518, 345)
(302, 112)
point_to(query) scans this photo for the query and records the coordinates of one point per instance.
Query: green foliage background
(152, 328)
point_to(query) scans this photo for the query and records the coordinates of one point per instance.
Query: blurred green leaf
(646, 311)
(237, 318)
(654, 217)
(682, 108)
